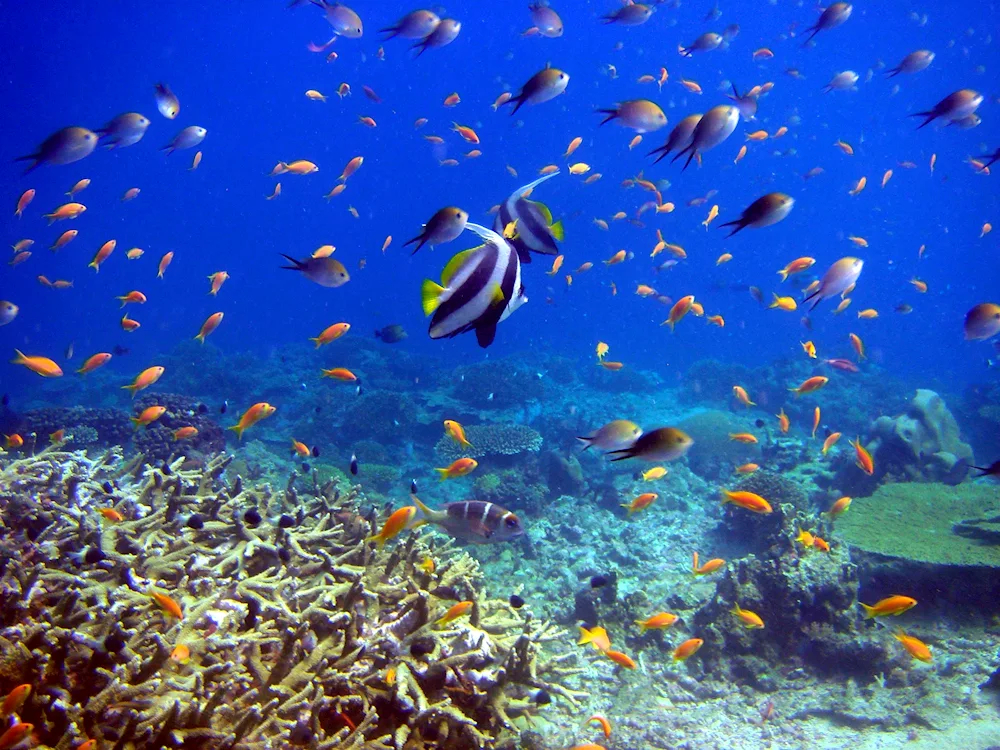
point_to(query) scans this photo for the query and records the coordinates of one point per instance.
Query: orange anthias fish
(687, 649)
(110, 514)
(709, 567)
(143, 380)
(218, 279)
(149, 415)
(742, 396)
(816, 418)
(914, 646)
(455, 612)
(743, 437)
(168, 605)
(456, 432)
(15, 699)
(891, 606)
(659, 621)
(622, 660)
(810, 384)
(17, 734)
(331, 333)
(747, 500)
(210, 324)
(458, 468)
(185, 433)
(596, 637)
(340, 373)
(865, 461)
(604, 724)
(783, 422)
(830, 441)
(39, 365)
(642, 501)
(747, 618)
(252, 416)
(678, 311)
(394, 524)
(840, 507)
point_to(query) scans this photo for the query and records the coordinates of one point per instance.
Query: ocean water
(241, 71)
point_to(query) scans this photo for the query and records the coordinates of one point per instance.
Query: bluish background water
(242, 71)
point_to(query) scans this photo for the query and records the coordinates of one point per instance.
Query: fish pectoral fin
(497, 297)
(558, 231)
(430, 296)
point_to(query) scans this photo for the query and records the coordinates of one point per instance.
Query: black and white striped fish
(471, 520)
(533, 228)
(479, 288)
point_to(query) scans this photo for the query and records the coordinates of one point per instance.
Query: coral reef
(382, 416)
(491, 440)
(497, 384)
(714, 454)
(215, 615)
(921, 445)
(156, 440)
(85, 427)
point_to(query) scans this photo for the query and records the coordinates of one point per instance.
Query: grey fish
(166, 101)
(189, 137)
(8, 311)
(415, 25)
(391, 334)
(345, 22)
(324, 271)
(124, 130)
(444, 226)
(63, 147)
(444, 34)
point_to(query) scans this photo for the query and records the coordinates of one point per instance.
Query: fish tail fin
(869, 611)
(784, 275)
(96, 266)
(611, 115)
(427, 515)
(587, 443)
(430, 296)
(200, 338)
(296, 265)
(19, 359)
(642, 626)
(628, 506)
(558, 231)
(694, 564)
(238, 430)
(625, 453)
(724, 497)
(928, 115)
(442, 474)
(133, 389)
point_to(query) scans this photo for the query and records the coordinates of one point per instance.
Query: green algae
(915, 521)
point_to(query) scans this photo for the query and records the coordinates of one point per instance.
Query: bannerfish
(475, 521)
(535, 232)
(479, 288)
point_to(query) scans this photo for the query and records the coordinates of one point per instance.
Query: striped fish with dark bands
(472, 520)
(535, 231)
(479, 288)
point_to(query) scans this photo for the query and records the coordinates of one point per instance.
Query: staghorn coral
(492, 440)
(299, 630)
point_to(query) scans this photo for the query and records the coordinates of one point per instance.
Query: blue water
(241, 70)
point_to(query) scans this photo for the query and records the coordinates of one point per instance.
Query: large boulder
(921, 445)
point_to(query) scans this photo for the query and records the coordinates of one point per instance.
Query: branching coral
(293, 629)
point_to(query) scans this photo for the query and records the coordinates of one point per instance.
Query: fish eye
(511, 522)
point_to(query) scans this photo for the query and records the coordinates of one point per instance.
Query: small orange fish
(93, 362)
(276, 193)
(865, 461)
(130, 194)
(713, 212)
(691, 86)
(252, 416)
(741, 154)
(331, 333)
(456, 432)
(891, 606)
(622, 660)
(149, 415)
(65, 211)
(16, 698)
(455, 612)
(840, 507)
(352, 166)
(335, 191)
(845, 147)
(29, 195)
(17, 734)
(747, 500)
(830, 441)
(615, 259)
(787, 304)
(164, 263)
(556, 265)
(218, 279)
(135, 253)
(39, 365)
(749, 468)
(821, 544)
(920, 286)
(195, 161)
(914, 646)
(857, 344)
(868, 314)
(132, 297)
(467, 133)
(757, 135)
(368, 122)
(613, 366)
(144, 379)
(886, 177)
(210, 324)
(340, 373)
(659, 621)
(709, 567)
(783, 422)
(678, 311)
(394, 524)
(102, 255)
(452, 99)
(573, 146)
(742, 396)
(168, 605)
(13, 441)
(687, 649)
(457, 468)
(57, 437)
(809, 348)
(747, 618)
(64, 239)
(110, 514)
(184, 433)
(805, 539)
(816, 418)
(810, 384)
(180, 654)
(641, 502)
(743, 437)
(716, 320)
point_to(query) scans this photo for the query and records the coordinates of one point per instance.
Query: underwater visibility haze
(500, 375)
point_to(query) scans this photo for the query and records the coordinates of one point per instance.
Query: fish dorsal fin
(455, 263)
(544, 211)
